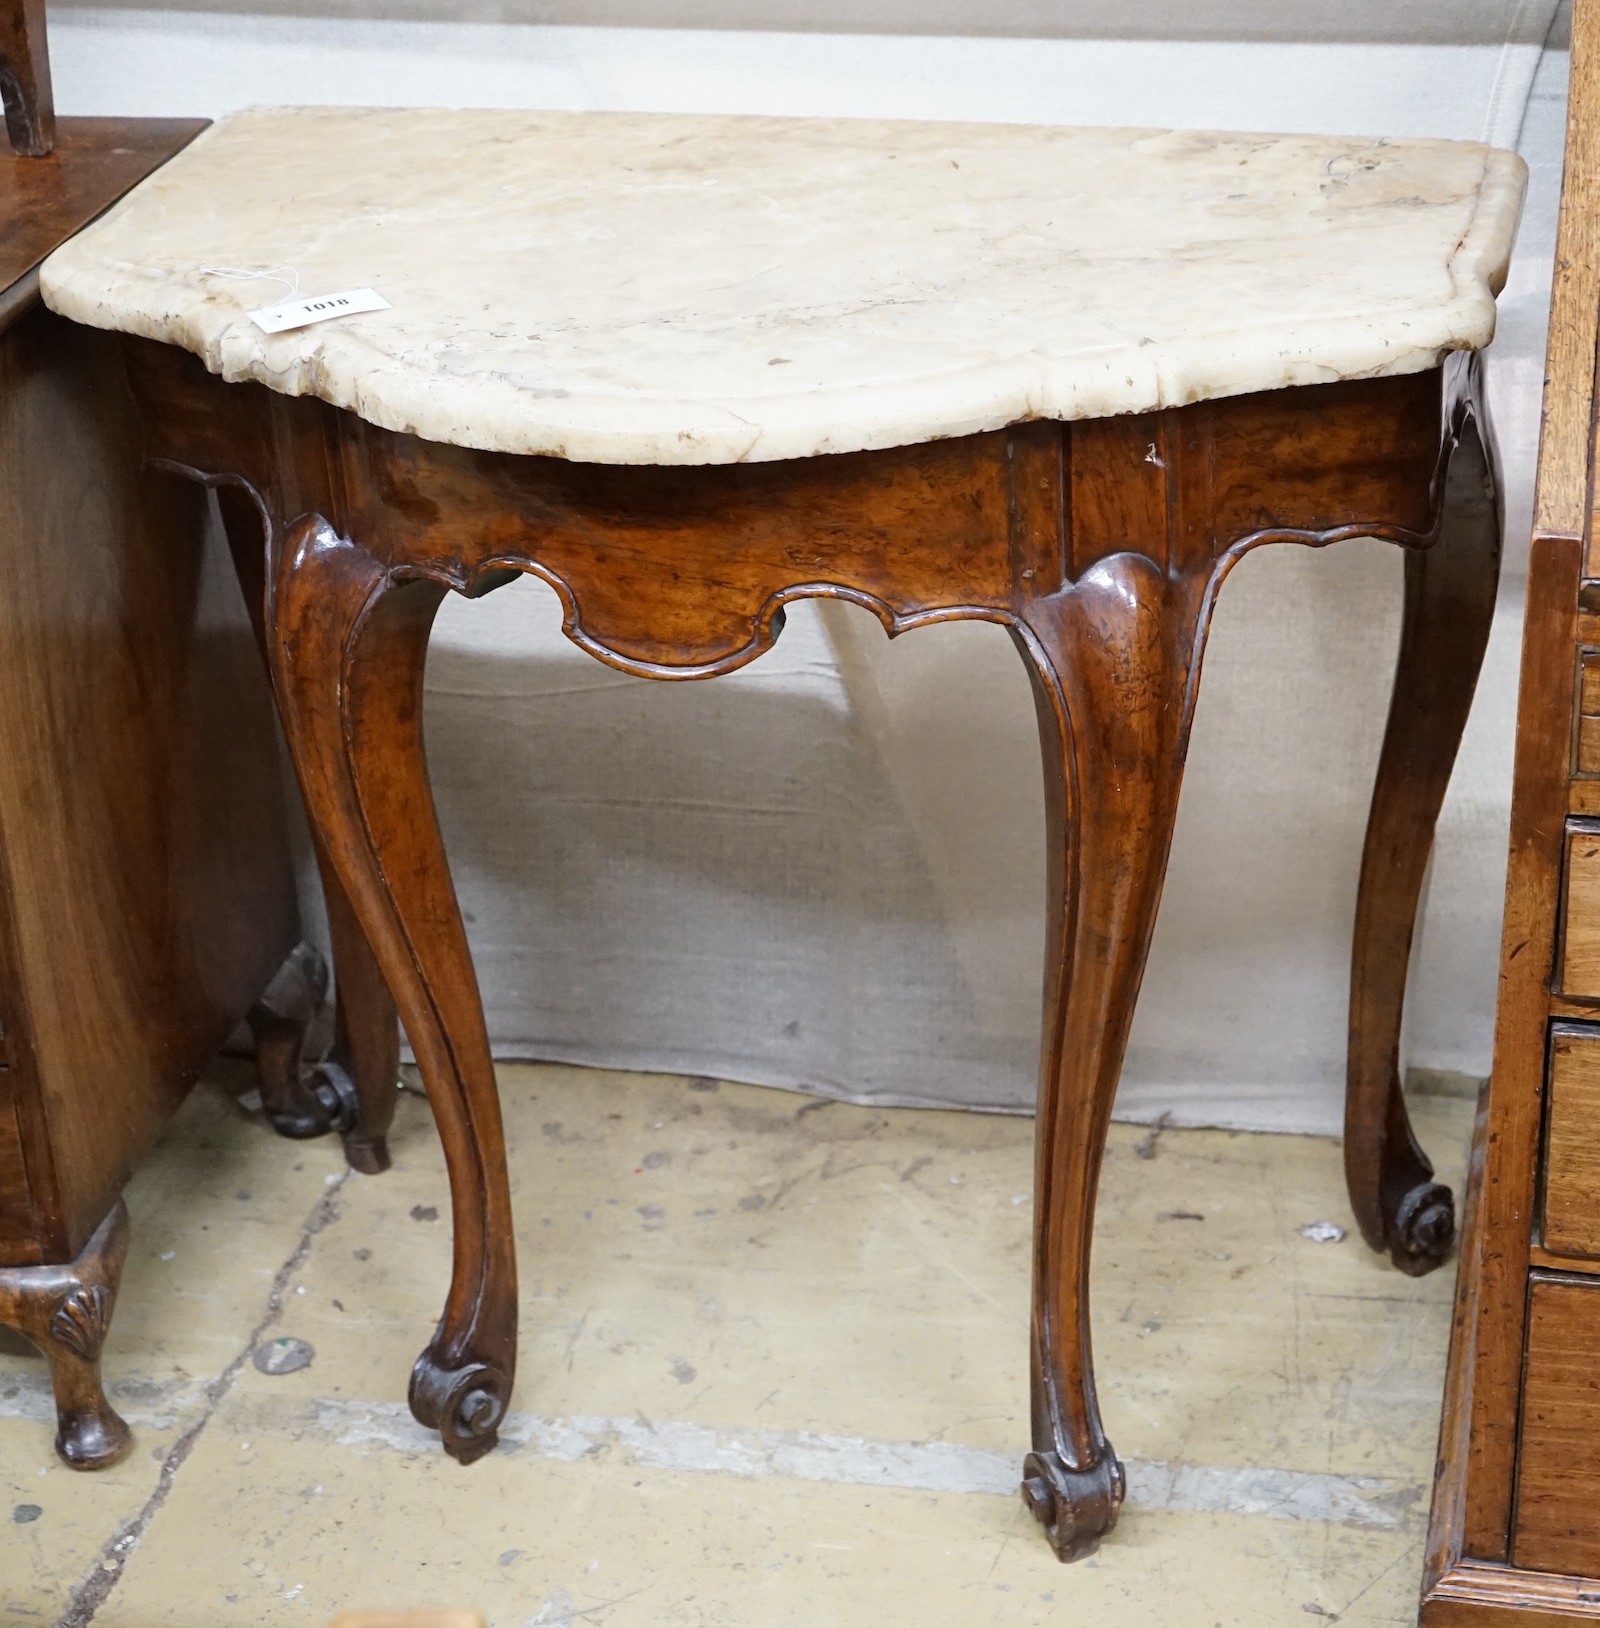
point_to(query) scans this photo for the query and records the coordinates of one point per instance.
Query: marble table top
(633, 288)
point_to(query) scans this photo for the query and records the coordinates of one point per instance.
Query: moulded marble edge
(636, 428)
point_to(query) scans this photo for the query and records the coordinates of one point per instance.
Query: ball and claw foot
(1076, 1508)
(1423, 1228)
(465, 1405)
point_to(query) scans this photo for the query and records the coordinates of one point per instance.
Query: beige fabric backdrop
(825, 871)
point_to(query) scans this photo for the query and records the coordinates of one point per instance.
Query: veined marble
(639, 288)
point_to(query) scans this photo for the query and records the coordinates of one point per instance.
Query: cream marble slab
(633, 288)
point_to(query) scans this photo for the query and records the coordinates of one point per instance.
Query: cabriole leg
(66, 1312)
(1449, 608)
(353, 1090)
(348, 645)
(1110, 659)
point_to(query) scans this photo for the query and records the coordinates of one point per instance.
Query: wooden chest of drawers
(146, 889)
(1515, 1536)
(147, 894)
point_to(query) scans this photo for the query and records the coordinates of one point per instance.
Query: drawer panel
(1580, 927)
(1588, 745)
(1557, 1522)
(1572, 1142)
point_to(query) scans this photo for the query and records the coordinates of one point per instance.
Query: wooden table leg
(1449, 609)
(366, 1032)
(66, 1312)
(353, 1090)
(1111, 659)
(348, 645)
(279, 1023)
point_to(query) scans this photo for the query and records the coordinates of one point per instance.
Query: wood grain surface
(1558, 1467)
(1572, 1145)
(149, 892)
(1579, 977)
(1562, 495)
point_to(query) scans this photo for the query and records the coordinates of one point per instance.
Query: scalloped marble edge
(617, 429)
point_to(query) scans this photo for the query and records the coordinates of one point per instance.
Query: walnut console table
(690, 369)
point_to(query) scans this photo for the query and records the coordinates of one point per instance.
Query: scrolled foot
(1423, 1228)
(1076, 1508)
(464, 1404)
(336, 1091)
(325, 1102)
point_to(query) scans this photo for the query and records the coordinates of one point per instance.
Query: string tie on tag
(242, 275)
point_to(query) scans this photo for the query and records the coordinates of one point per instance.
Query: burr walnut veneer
(370, 467)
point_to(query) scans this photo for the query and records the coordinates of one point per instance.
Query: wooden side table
(689, 370)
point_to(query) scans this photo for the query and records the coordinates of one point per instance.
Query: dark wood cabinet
(146, 882)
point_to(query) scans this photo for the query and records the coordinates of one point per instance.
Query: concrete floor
(773, 1374)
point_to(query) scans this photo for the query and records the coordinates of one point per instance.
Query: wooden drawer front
(1580, 928)
(1557, 1522)
(1572, 1142)
(1587, 744)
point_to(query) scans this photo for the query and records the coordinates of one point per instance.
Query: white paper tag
(287, 314)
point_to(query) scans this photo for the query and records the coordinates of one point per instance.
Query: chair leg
(1449, 608)
(66, 1312)
(1110, 659)
(347, 646)
(353, 1089)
